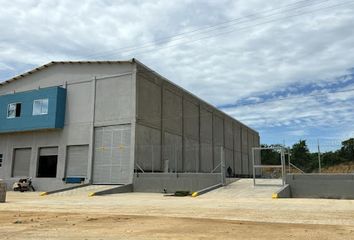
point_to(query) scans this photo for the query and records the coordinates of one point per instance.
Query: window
(14, 110)
(1, 158)
(40, 107)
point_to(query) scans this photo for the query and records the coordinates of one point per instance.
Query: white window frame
(41, 106)
(8, 107)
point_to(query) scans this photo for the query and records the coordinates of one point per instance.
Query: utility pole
(319, 156)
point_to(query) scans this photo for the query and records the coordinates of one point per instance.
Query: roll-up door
(48, 151)
(77, 161)
(112, 163)
(21, 165)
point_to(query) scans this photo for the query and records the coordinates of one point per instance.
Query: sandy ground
(237, 211)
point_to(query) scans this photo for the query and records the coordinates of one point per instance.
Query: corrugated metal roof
(62, 62)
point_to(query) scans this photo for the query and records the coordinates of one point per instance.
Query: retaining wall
(158, 182)
(336, 186)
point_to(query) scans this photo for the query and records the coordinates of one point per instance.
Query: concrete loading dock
(332, 186)
(116, 118)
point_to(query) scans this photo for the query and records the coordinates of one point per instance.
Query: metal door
(21, 165)
(112, 164)
(77, 161)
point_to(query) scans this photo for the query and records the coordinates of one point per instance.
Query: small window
(40, 106)
(14, 110)
(1, 158)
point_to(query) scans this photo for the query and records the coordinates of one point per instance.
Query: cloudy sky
(286, 68)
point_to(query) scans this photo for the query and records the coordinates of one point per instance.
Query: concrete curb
(119, 189)
(63, 189)
(205, 190)
(284, 192)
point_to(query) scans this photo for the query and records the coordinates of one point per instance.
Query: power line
(245, 28)
(209, 29)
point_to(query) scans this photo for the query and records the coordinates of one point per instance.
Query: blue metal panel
(27, 121)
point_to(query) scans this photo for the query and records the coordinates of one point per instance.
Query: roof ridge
(132, 60)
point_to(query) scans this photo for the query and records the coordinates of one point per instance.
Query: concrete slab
(85, 191)
(243, 188)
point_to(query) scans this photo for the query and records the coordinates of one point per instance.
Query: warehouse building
(115, 122)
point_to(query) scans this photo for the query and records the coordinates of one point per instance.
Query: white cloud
(254, 59)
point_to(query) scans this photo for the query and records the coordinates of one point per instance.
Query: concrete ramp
(243, 188)
(89, 190)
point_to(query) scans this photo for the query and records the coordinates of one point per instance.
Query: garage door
(112, 163)
(21, 165)
(77, 161)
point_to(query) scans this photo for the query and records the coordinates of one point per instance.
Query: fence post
(254, 169)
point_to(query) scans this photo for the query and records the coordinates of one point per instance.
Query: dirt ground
(226, 213)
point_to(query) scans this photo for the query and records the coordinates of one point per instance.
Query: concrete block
(284, 192)
(3, 189)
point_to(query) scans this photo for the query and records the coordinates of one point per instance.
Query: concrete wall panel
(250, 145)
(61, 74)
(228, 134)
(206, 126)
(244, 141)
(190, 120)
(206, 157)
(217, 158)
(114, 100)
(191, 155)
(148, 148)
(257, 154)
(237, 163)
(332, 186)
(237, 137)
(229, 161)
(172, 150)
(172, 112)
(245, 170)
(218, 131)
(160, 182)
(149, 102)
(79, 103)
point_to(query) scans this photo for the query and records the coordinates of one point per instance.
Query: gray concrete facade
(170, 130)
(336, 186)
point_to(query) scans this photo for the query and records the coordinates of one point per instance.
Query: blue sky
(284, 68)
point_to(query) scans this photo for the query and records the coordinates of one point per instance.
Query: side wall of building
(178, 132)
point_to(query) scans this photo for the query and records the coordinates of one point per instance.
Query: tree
(270, 156)
(347, 150)
(301, 156)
